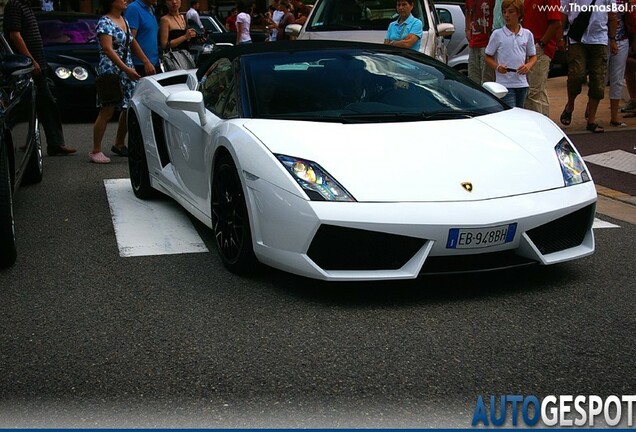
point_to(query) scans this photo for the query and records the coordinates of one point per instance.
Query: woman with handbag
(116, 76)
(173, 31)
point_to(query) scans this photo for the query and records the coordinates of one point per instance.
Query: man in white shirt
(274, 19)
(193, 14)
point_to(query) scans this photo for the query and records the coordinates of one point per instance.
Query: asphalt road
(90, 339)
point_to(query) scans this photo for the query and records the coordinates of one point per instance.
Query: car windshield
(355, 86)
(62, 32)
(343, 15)
(212, 25)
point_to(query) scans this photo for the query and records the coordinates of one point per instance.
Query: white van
(368, 20)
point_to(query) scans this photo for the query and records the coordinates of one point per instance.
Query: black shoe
(60, 151)
(120, 151)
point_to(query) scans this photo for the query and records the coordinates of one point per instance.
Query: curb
(616, 195)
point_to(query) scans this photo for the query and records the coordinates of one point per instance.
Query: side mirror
(188, 100)
(496, 89)
(445, 29)
(15, 65)
(293, 30)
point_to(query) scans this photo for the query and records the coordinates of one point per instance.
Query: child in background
(511, 53)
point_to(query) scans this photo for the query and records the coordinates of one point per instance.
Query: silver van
(368, 20)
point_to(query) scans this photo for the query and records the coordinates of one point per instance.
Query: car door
(17, 97)
(439, 48)
(456, 44)
(188, 141)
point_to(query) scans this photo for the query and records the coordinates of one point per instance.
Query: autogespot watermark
(561, 411)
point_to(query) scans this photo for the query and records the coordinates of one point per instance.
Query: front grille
(563, 233)
(339, 248)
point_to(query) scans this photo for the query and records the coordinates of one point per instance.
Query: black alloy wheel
(35, 166)
(230, 221)
(137, 162)
(8, 250)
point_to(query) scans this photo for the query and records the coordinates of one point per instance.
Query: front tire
(230, 220)
(8, 250)
(137, 162)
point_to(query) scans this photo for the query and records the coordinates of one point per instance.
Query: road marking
(145, 228)
(619, 160)
(598, 223)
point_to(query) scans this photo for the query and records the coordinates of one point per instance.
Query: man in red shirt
(543, 19)
(479, 16)
(230, 21)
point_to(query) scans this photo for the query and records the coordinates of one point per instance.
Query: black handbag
(109, 91)
(108, 86)
(581, 22)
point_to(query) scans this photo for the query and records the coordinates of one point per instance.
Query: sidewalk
(557, 91)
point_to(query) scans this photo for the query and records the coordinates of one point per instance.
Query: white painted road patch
(598, 223)
(619, 160)
(146, 228)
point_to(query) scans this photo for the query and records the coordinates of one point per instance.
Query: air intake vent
(564, 233)
(339, 248)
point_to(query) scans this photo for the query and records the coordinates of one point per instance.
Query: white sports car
(351, 161)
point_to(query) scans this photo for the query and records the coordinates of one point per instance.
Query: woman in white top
(243, 23)
(511, 52)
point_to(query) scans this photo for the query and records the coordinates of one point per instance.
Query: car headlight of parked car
(315, 181)
(572, 166)
(78, 72)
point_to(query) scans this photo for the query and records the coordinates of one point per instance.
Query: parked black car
(216, 36)
(217, 33)
(70, 46)
(20, 148)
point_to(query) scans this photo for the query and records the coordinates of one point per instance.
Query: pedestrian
(630, 67)
(406, 31)
(511, 53)
(192, 15)
(273, 19)
(543, 19)
(46, 5)
(115, 45)
(286, 19)
(173, 30)
(22, 32)
(140, 15)
(230, 21)
(243, 24)
(587, 57)
(618, 53)
(479, 19)
(301, 11)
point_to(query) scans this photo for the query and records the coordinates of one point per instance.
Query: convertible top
(231, 52)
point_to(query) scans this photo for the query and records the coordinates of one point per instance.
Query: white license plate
(473, 238)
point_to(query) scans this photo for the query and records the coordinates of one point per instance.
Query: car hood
(503, 154)
(66, 53)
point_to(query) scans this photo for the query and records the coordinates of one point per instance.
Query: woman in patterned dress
(115, 40)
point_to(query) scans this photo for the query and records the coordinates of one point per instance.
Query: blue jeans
(516, 97)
